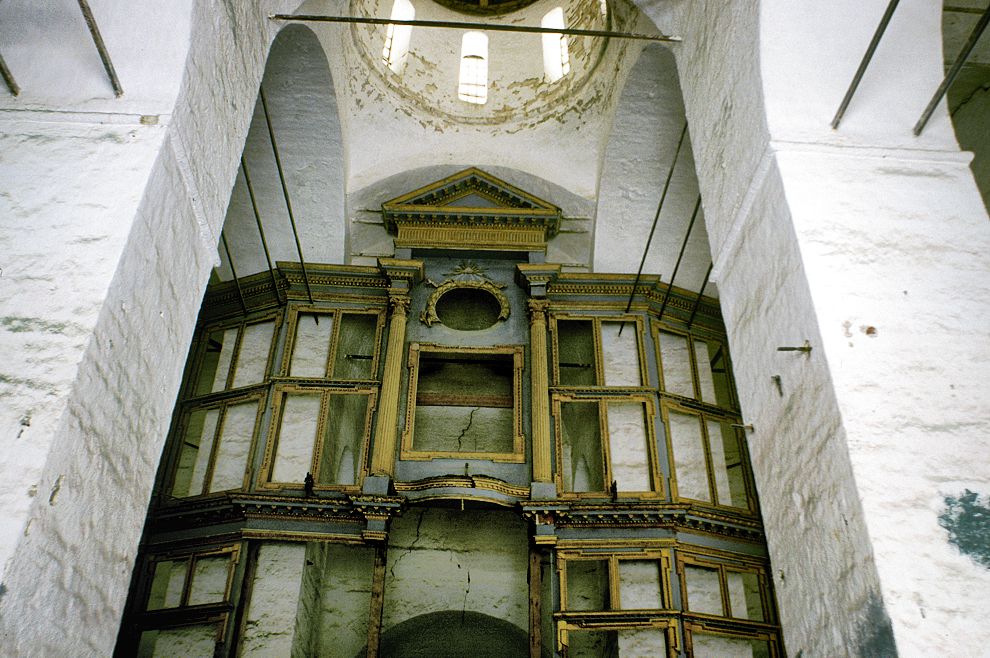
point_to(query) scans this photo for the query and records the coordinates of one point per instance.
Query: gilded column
(539, 388)
(402, 275)
(383, 455)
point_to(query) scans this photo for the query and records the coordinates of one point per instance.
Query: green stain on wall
(967, 519)
(16, 325)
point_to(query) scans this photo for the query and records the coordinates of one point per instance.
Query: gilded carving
(399, 304)
(467, 275)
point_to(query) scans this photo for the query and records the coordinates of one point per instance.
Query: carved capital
(538, 311)
(399, 304)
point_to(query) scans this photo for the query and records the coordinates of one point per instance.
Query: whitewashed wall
(868, 242)
(871, 244)
(111, 212)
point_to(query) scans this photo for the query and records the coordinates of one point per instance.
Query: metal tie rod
(677, 265)
(261, 230)
(8, 78)
(94, 31)
(864, 63)
(701, 291)
(663, 197)
(950, 77)
(461, 25)
(237, 282)
(285, 190)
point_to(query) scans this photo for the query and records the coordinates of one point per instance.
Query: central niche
(468, 309)
(464, 402)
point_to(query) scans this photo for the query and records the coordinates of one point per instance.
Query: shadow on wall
(454, 634)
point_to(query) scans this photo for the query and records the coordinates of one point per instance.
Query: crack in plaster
(412, 545)
(467, 591)
(466, 429)
(981, 89)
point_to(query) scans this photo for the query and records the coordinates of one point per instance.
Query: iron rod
(663, 197)
(285, 190)
(874, 42)
(701, 291)
(233, 271)
(261, 230)
(94, 31)
(462, 25)
(950, 77)
(8, 78)
(677, 265)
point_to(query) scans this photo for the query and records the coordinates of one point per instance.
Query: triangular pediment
(468, 187)
(471, 210)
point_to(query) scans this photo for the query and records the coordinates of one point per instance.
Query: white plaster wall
(68, 75)
(817, 235)
(303, 111)
(61, 244)
(518, 89)
(803, 91)
(827, 587)
(444, 559)
(825, 582)
(894, 237)
(568, 134)
(270, 625)
(640, 152)
(99, 388)
(900, 290)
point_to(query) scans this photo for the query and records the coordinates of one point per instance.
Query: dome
(519, 77)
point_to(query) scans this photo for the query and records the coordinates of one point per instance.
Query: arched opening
(642, 149)
(298, 102)
(464, 633)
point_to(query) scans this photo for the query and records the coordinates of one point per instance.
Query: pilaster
(534, 277)
(402, 275)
